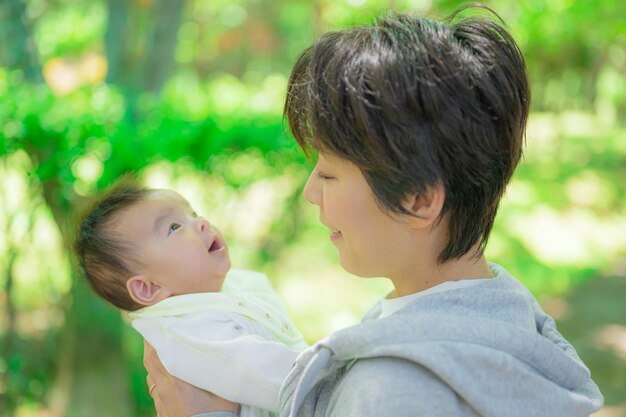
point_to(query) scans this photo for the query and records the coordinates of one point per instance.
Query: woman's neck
(427, 276)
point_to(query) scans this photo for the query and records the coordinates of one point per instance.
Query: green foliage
(69, 30)
(561, 221)
(568, 44)
(27, 374)
(90, 123)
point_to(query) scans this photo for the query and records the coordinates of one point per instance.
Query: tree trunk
(92, 379)
(116, 43)
(138, 62)
(18, 46)
(7, 404)
(161, 44)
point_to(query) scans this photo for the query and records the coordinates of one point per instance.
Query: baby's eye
(194, 214)
(173, 227)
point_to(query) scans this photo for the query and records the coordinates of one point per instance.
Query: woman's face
(370, 242)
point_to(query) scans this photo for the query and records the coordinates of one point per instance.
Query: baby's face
(176, 248)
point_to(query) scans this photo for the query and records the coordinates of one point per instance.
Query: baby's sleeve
(220, 352)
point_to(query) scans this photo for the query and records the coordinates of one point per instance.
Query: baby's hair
(416, 103)
(106, 259)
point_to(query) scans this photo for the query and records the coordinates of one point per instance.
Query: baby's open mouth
(215, 246)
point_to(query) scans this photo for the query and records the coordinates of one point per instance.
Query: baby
(222, 330)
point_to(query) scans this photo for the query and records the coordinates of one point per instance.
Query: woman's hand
(175, 398)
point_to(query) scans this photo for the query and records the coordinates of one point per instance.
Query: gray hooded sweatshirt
(485, 350)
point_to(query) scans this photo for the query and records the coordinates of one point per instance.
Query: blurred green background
(188, 93)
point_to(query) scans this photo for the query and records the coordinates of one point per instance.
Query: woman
(418, 126)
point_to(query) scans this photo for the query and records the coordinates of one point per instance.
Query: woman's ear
(425, 208)
(145, 292)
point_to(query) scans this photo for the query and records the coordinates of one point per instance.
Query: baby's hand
(176, 398)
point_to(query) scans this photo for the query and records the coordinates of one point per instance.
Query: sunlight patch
(614, 337)
(575, 237)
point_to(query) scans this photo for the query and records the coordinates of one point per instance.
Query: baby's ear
(425, 208)
(144, 291)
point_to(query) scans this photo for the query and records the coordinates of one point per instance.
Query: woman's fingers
(151, 360)
(173, 397)
(156, 372)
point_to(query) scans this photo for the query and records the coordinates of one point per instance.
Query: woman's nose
(313, 190)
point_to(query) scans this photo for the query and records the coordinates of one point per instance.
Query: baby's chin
(228, 265)
(220, 276)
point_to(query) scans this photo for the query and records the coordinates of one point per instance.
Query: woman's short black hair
(416, 103)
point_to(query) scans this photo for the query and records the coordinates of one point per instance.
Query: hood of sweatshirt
(491, 343)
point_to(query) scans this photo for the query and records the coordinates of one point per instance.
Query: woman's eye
(323, 176)
(173, 227)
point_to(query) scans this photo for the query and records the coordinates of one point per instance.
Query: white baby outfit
(238, 343)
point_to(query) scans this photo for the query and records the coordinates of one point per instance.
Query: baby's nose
(203, 225)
